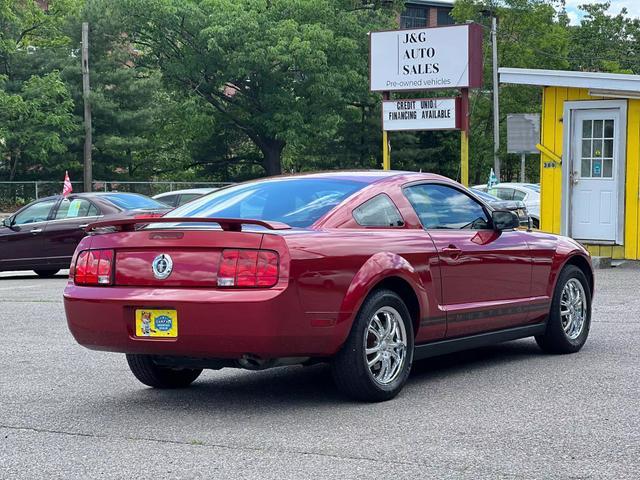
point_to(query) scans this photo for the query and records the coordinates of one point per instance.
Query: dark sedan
(43, 235)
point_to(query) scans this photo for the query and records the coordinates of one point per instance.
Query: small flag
(68, 188)
(493, 180)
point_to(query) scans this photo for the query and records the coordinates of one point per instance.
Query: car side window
(518, 195)
(38, 212)
(444, 207)
(187, 197)
(170, 200)
(505, 193)
(78, 207)
(378, 211)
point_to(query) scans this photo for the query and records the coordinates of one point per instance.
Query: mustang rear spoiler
(227, 224)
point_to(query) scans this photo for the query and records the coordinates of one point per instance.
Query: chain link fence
(16, 194)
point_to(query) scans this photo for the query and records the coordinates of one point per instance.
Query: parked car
(177, 198)
(366, 270)
(528, 193)
(43, 235)
(516, 206)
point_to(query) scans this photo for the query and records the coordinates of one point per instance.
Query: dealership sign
(421, 114)
(426, 58)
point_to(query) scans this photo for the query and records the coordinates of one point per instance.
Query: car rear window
(298, 202)
(132, 201)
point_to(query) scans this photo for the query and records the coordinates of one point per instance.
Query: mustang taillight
(248, 268)
(94, 267)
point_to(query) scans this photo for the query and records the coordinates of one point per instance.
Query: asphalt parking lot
(507, 411)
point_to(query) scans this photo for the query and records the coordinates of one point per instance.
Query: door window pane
(517, 195)
(78, 207)
(586, 168)
(608, 129)
(169, 200)
(597, 149)
(380, 211)
(607, 169)
(586, 148)
(443, 207)
(608, 148)
(596, 168)
(505, 193)
(586, 128)
(187, 197)
(38, 212)
(597, 128)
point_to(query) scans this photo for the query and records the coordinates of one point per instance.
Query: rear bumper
(211, 323)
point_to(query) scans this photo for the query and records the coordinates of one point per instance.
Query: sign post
(386, 150)
(464, 139)
(419, 59)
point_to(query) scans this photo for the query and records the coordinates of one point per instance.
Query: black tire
(535, 223)
(349, 367)
(46, 273)
(150, 373)
(555, 339)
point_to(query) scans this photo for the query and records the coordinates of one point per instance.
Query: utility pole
(496, 97)
(86, 90)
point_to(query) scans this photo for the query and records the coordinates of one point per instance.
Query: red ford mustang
(366, 270)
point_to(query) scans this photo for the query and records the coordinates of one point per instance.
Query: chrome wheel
(573, 308)
(385, 345)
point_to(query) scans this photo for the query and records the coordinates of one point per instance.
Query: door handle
(574, 178)
(36, 230)
(452, 251)
(83, 226)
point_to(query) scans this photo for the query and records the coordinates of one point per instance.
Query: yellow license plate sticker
(157, 323)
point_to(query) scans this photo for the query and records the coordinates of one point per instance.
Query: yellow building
(590, 157)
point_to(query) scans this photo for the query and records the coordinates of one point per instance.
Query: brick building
(423, 13)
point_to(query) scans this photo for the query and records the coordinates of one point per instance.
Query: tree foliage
(280, 71)
(234, 89)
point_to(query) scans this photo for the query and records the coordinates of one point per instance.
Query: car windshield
(133, 201)
(298, 202)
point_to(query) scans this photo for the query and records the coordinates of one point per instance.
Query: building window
(444, 18)
(414, 17)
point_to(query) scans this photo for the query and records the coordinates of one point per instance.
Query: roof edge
(618, 82)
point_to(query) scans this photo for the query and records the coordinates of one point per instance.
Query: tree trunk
(14, 158)
(272, 156)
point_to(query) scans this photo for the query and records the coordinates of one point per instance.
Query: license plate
(156, 323)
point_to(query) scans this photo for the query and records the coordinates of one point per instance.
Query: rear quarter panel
(335, 270)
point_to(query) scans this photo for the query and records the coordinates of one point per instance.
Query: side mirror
(505, 220)
(6, 222)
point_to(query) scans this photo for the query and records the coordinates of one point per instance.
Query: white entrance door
(594, 174)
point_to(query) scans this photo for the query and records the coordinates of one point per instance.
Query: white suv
(529, 193)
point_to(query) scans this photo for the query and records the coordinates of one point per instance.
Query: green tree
(604, 42)
(35, 123)
(280, 71)
(36, 119)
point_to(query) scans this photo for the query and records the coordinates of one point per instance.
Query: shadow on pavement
(302, 387)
